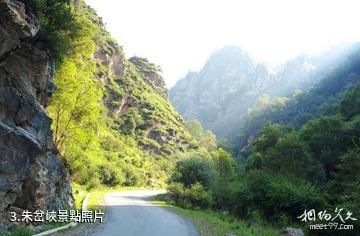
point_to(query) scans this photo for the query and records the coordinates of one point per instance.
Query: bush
(248, 193)
(274, 197)
(16, 232)
(192, 169)
(224, 164)
(111, 175)
(290, 197)
(177, 191)
(195, 195)
(198, 196)
(59, 25)
(281, 151)
(132, 176)
(327, 138)
(94, 182)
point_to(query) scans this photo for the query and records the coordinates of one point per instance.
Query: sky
(179, 35)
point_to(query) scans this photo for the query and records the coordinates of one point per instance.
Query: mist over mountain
(221, 94)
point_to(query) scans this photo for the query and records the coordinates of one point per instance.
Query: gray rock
(292, 232)
(150, 74)
(15, 25)
(32, 175)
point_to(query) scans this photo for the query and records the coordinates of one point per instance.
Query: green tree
(327, 139)
(205, 138)
(61, 26)
(350, 103)
(194, 168)
(224, 163)
(270, 136)
(75, 105)
(347, 179)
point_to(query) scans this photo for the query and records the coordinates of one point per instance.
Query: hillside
(121, 119)
(74, 107)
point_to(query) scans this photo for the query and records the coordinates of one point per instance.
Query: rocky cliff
(150, 73)
(221, 93)
(32, 175)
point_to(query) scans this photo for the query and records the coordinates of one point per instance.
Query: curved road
(130, 213)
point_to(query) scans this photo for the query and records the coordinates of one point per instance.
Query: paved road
(131, 214)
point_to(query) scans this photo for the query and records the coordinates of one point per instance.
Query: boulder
(292, 232)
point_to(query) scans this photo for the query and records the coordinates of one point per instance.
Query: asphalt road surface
(130, 213)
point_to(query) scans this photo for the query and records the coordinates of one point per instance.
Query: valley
(236, 148)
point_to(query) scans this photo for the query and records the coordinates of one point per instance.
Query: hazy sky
(179, 35)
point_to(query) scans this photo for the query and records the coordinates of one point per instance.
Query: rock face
(150, 74)
(32, 176)
(112, 59)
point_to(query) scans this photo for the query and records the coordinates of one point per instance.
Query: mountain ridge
(221, 94)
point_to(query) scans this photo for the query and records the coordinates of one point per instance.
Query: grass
(79, 193)
(24, 231)
(97, 200)
(211, 223)
(17, 232)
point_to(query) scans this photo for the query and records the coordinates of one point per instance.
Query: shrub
(275, 197)
(195, 195)
(111, 175)
(248, 193)
(198, 196)
(327, 139)
(192, 169)
(132, 176)
(176, 190)
(290, 197)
